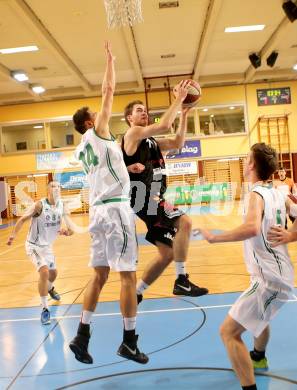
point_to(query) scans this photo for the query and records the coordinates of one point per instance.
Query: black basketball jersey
(149, 154)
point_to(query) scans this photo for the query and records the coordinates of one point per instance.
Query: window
(23, 137)
(118, 126)
(221, 120)
(63, 134)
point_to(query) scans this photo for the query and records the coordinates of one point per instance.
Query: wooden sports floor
(180, 335)
(218, 267)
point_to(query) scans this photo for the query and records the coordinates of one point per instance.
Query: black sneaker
(139, 298)
(54, 295)
(131, 352)
(183, 286)
(79, 345)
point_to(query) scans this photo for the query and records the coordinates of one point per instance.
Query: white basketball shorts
(114, 241)
(41, 256)
(257, 306)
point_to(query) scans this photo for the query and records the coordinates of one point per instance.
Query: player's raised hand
(181, 90)
(108, 51)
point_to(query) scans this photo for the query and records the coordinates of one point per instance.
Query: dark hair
(265, 159)
(129, 108)
(79, 119)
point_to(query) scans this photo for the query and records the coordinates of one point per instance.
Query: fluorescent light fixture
(122, 119)
(256, 27)
(295, 67)
(38, 127)
(38, 175)
(37, 88)
(22, 49)
(232, 108)
(19, 75)
(205, 109)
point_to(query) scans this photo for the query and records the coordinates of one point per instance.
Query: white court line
(11, 249)
(120, 314)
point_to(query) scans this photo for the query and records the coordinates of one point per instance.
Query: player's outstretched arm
(250, 228)
(179, 140)
(138, 133)
(108, 88)
(33, 211)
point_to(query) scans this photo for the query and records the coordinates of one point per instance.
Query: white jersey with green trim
(45, 228)
(104, 166)
(272, 265)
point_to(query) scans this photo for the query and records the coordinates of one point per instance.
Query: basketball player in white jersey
(46, 217)
(271, 270)
(112, 224)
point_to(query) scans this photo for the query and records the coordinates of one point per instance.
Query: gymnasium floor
(179, 334)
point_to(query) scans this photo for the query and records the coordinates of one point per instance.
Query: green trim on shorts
(268, 302)
(125, 238)
(252, 290)
(111, 200)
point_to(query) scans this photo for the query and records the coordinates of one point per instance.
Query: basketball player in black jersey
(167, 227)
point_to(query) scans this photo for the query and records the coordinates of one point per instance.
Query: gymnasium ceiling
(70, 34)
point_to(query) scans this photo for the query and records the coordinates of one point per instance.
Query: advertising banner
(181, 168)
(181, 195)
(72, 180)
(190, 149)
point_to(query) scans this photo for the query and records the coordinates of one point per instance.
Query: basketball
(193, 95)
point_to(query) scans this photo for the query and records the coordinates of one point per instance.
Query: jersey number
(88, 158)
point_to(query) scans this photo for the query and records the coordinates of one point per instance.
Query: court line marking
(120, 314)
(11, 249)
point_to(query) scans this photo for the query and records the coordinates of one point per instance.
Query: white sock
(141, 286)
(129, 323)
(49, 285)
(43, 301)
(180, 268)
(86, 317)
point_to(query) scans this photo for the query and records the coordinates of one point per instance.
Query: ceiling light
(212, 116)
(255, 60)
(290, 10)
(38, 127)
(19, 75)
(232, 108)
(37, 88)
(257, 27)
(22, 49)
(205, 109)
(271, 60)
(295, 67)
(123, 119)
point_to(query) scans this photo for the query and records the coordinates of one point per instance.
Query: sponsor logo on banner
(190, 149)
(181, 195)
(181, 168)
(72, 180)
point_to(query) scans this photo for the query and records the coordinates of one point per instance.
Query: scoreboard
(273, 96)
